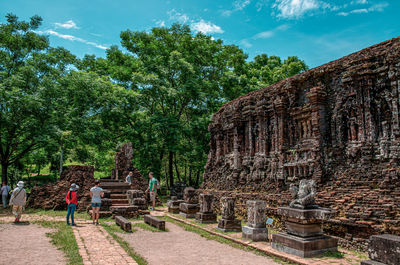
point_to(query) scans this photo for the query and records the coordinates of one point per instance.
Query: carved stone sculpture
(206, 215)
(189, 207)
(304, 195)
(228, 223)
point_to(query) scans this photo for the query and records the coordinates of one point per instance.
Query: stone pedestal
(206, 214)
(189, 207)
(228, 223)
(383, 249)
(173, 204)
(255, 228)
(136, 198)
(304, 236)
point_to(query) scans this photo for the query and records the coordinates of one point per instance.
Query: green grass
(63, 238)
(53, 213)
(332, 254)
(222, 240)
(113, 230)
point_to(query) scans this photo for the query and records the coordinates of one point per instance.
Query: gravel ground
(182, 247)
(28, 244)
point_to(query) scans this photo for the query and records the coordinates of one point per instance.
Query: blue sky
(318, 31)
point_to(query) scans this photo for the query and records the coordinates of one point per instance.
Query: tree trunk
(170, 168)
(38, 172)
(177, 170)
(61, 159)
(190, 177)
(198, 178)
(4, 168)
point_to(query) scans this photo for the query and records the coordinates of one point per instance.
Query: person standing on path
(18, 201)
(153, 189)
(72, 201)
(129, 178)
(5, 190)
(96, 193)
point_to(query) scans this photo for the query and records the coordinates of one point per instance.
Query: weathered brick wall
(337, 123)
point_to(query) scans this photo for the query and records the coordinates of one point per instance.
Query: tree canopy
(159, 92)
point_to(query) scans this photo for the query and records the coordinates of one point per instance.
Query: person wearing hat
(18, 201)
(72, 201)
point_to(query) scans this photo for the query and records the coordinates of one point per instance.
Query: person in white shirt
(129, 178)
(96, 193)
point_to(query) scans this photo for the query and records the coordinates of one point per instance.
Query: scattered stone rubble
(52, 196)
(337, 124)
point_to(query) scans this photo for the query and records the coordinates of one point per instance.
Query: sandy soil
(182, 247)
(28, 244)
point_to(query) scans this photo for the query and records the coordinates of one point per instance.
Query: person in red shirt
(72, 201)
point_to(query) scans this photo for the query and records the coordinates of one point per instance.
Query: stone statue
(303, 197)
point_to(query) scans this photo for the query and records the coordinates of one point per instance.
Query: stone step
(116, 191)
(115, 186)
(119, 201)
(118, 196)
(109, 180)
(121, 205)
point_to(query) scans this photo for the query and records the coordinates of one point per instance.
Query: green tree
(29, 70)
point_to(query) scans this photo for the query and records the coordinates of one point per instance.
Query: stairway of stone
(117, 194)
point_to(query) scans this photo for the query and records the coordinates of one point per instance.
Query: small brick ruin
(124, 165)
(52, 196)
(337, 124)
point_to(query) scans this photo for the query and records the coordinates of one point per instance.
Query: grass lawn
(63, 238)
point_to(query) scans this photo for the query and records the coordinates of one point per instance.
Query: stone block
(187, 215)
(123, 223)
(371, 262)
(256, 213)
(255, 234)
(385, 248)
(206, 218)
(229, 225)
(189, 195)
(228, 208)
(303, 230)
(304, 247)
(172, 203)
(189, 208)
(206, 203)
(173, 209)
(139, 201)
(306, 215)
(154, 221)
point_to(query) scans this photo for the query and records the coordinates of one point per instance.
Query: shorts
(153, 196)
(17, 210)
(95, 204)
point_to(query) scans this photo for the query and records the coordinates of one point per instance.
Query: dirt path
(182, 247)
(28, 244)
(97, 247)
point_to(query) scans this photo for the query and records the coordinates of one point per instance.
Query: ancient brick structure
(124, 165)
(337, 124)
(52, 196)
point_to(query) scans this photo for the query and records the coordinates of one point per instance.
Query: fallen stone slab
(383, 249)
(154, 221)
(123, 223)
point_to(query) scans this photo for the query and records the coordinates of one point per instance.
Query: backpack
(158, 185)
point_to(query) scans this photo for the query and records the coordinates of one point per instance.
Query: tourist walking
(96, 193)
(153, 189)
(18, 201)
(72, 200)
(5, 190)
(129, 178)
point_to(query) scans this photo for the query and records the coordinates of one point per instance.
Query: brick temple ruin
(338, 124)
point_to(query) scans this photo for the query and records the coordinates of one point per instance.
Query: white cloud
(181, 18)
(245, 43)
(295, 8)
(160, 23)
(206, 27)
(264, 35)
(375, 8)
(67, 25)
(270, 33)
(237, 6)
(71, 38)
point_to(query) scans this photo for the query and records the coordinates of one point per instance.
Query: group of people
(96, 193)
(17, 200)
